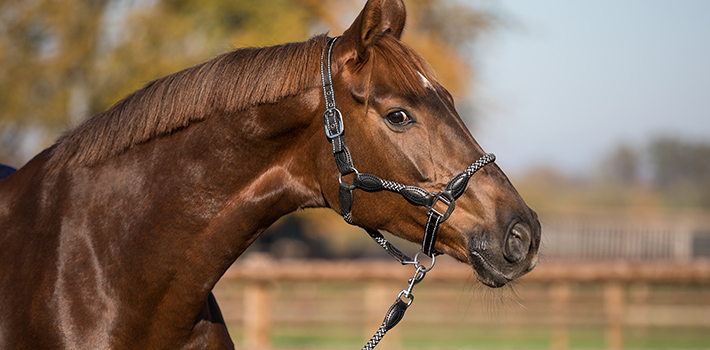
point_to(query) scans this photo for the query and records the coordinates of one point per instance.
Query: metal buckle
(337, 122)
(445, 197)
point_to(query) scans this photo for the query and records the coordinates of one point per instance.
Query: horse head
(129, 220)
(402, 125)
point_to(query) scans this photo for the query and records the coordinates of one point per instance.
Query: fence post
(639, 294)
(614, 309)
(257, 328)
(560, 295)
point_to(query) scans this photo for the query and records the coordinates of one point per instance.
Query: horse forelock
(406, 68)
(228, 83)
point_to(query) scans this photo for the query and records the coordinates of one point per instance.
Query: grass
(333, 316)
(436, 337)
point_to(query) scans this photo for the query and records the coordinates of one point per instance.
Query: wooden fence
(680, 238)
(258, 296)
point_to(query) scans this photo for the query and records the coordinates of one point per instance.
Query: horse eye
(399, 118)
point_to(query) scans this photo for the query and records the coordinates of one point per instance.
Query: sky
(562, 83)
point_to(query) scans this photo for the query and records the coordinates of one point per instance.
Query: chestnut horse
(114, 237)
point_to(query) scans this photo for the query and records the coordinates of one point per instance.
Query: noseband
(333, 121)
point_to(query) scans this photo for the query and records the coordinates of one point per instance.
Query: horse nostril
(517, 243)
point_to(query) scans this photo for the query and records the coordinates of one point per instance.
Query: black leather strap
(432, 225)
(392, 318)
(389, 248)
(335, 131)
(327, 75)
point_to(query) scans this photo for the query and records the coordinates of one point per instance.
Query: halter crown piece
(334, 130)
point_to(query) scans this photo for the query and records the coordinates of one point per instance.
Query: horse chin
(487, 273)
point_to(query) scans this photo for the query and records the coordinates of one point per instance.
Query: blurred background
(599, 112)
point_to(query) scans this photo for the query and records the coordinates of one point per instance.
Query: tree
(621, 169)
(45, 56)
(66, 60)
(681, 170)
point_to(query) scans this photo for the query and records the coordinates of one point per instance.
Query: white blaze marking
(426, 81)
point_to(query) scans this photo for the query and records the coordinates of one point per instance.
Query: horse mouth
(499, 261)
(487, 273)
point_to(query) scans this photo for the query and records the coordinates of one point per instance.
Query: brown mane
(230, 82)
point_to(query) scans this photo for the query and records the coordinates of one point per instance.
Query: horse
(115, 236)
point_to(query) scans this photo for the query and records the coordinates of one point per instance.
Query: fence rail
(623, 289)
(266, 270)
(680, 238)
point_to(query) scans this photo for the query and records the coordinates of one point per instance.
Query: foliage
(66, 60)
(666, 173)
(681, 171)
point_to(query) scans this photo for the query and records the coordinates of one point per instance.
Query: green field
(468, 316)
(432, 337)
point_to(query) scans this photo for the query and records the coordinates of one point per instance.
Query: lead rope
(399, 307)
(333, 122)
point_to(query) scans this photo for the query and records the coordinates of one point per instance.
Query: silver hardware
(329, 113)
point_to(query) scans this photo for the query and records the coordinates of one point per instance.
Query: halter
(334, 128)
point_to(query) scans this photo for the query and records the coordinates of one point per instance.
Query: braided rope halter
(334, 130)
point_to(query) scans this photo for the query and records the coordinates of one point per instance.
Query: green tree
(63, 61)
(621, 169)
(45, 55)
(681, 171)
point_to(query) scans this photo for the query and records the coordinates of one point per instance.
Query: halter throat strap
(436, 213)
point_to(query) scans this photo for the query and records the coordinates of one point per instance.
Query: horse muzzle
(501, 258)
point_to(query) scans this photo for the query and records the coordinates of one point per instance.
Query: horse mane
(228, 83)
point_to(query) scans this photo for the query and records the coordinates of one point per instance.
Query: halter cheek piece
(333, 121)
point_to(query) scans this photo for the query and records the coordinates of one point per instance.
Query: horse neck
(236, 175)
(177, 211)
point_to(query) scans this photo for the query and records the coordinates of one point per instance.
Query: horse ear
(378, 17)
